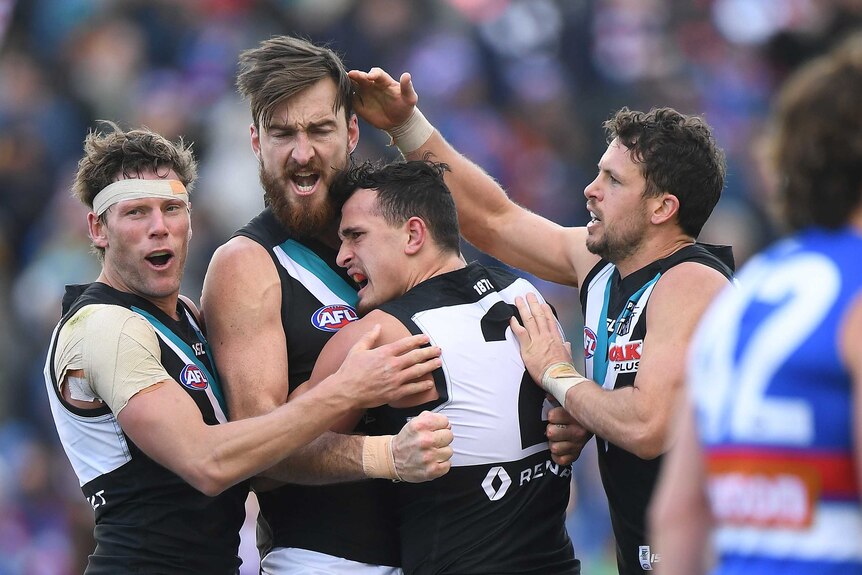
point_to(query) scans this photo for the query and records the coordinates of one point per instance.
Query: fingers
(558, 415)
(406, 344)
(368, 338)
(428, 420)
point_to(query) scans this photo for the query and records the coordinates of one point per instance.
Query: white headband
(134, 189)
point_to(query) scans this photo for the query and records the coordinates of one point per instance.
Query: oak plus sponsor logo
(625, 357)
(333, 317)
(589, 343)
(193, 377)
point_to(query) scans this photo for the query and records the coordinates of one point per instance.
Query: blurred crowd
(520, 86)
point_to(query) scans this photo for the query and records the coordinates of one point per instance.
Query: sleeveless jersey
(148, 519)
(501, 508)
(349, 520)
(774, 411)
(614, 330)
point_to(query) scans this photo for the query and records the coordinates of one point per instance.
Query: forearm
(480, 199)
(248, 447)
(619, 416)
(329, 458)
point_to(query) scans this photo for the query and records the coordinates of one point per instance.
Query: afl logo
(333, 317)
(589, 343)
(192, 377)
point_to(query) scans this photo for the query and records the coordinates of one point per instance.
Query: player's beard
(620, 241)
(304, 216)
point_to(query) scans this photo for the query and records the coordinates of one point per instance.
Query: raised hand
(422, 448)
(382, 101)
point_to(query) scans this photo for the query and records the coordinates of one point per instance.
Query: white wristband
(410, 135)
(559, 378)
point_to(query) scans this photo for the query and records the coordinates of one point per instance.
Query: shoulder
(239, 270)
(239, 252)
(683, 292)
(391, 329)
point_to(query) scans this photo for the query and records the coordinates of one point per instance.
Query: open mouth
(160, 259)
(360, 280)
(305, 182)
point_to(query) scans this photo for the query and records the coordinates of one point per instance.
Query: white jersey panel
(481, 422)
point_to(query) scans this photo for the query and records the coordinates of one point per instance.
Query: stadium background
(520, 86)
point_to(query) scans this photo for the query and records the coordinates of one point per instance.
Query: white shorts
(294, 561)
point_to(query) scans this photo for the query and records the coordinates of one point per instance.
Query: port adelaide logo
(193, 377)
(333, 317)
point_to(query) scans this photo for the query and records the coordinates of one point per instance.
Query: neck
(650, 252)
(167, 304)
(438, 266)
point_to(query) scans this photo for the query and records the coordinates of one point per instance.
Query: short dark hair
(404, 190)
(109, 155)
(678, 155)
(815, 141)
(284, 66)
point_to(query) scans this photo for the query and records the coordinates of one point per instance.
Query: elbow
(207, 476)
(648, 442)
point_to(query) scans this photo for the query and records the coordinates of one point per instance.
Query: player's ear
(664, 207)
(417, 235)
(96, 229)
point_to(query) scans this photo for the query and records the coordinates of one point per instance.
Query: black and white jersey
(349, 520)
(148, 519)
(614, 330)
(501, 508)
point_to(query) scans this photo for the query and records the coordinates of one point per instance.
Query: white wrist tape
(378, 461)
(410, 135)
(559, 378)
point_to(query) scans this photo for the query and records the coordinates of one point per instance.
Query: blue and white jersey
(774, 410)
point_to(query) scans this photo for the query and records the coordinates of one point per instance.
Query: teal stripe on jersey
(311, 262)
(184, 347)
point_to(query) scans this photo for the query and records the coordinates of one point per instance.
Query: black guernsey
(148, 519)
(629, 480)
(349, 520)
(501, 508)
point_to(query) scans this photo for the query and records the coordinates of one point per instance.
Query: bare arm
(421, 449)
(851, 333)
(679, 516)
(165, 423)
(635, 418)
(487, 216)
(241, 304)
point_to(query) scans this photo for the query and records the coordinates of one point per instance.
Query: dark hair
(404, 190)
(107, 156)
(678, 155)
(284, 66)
(815, 142)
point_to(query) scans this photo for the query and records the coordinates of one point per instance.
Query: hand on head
(382, 101)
